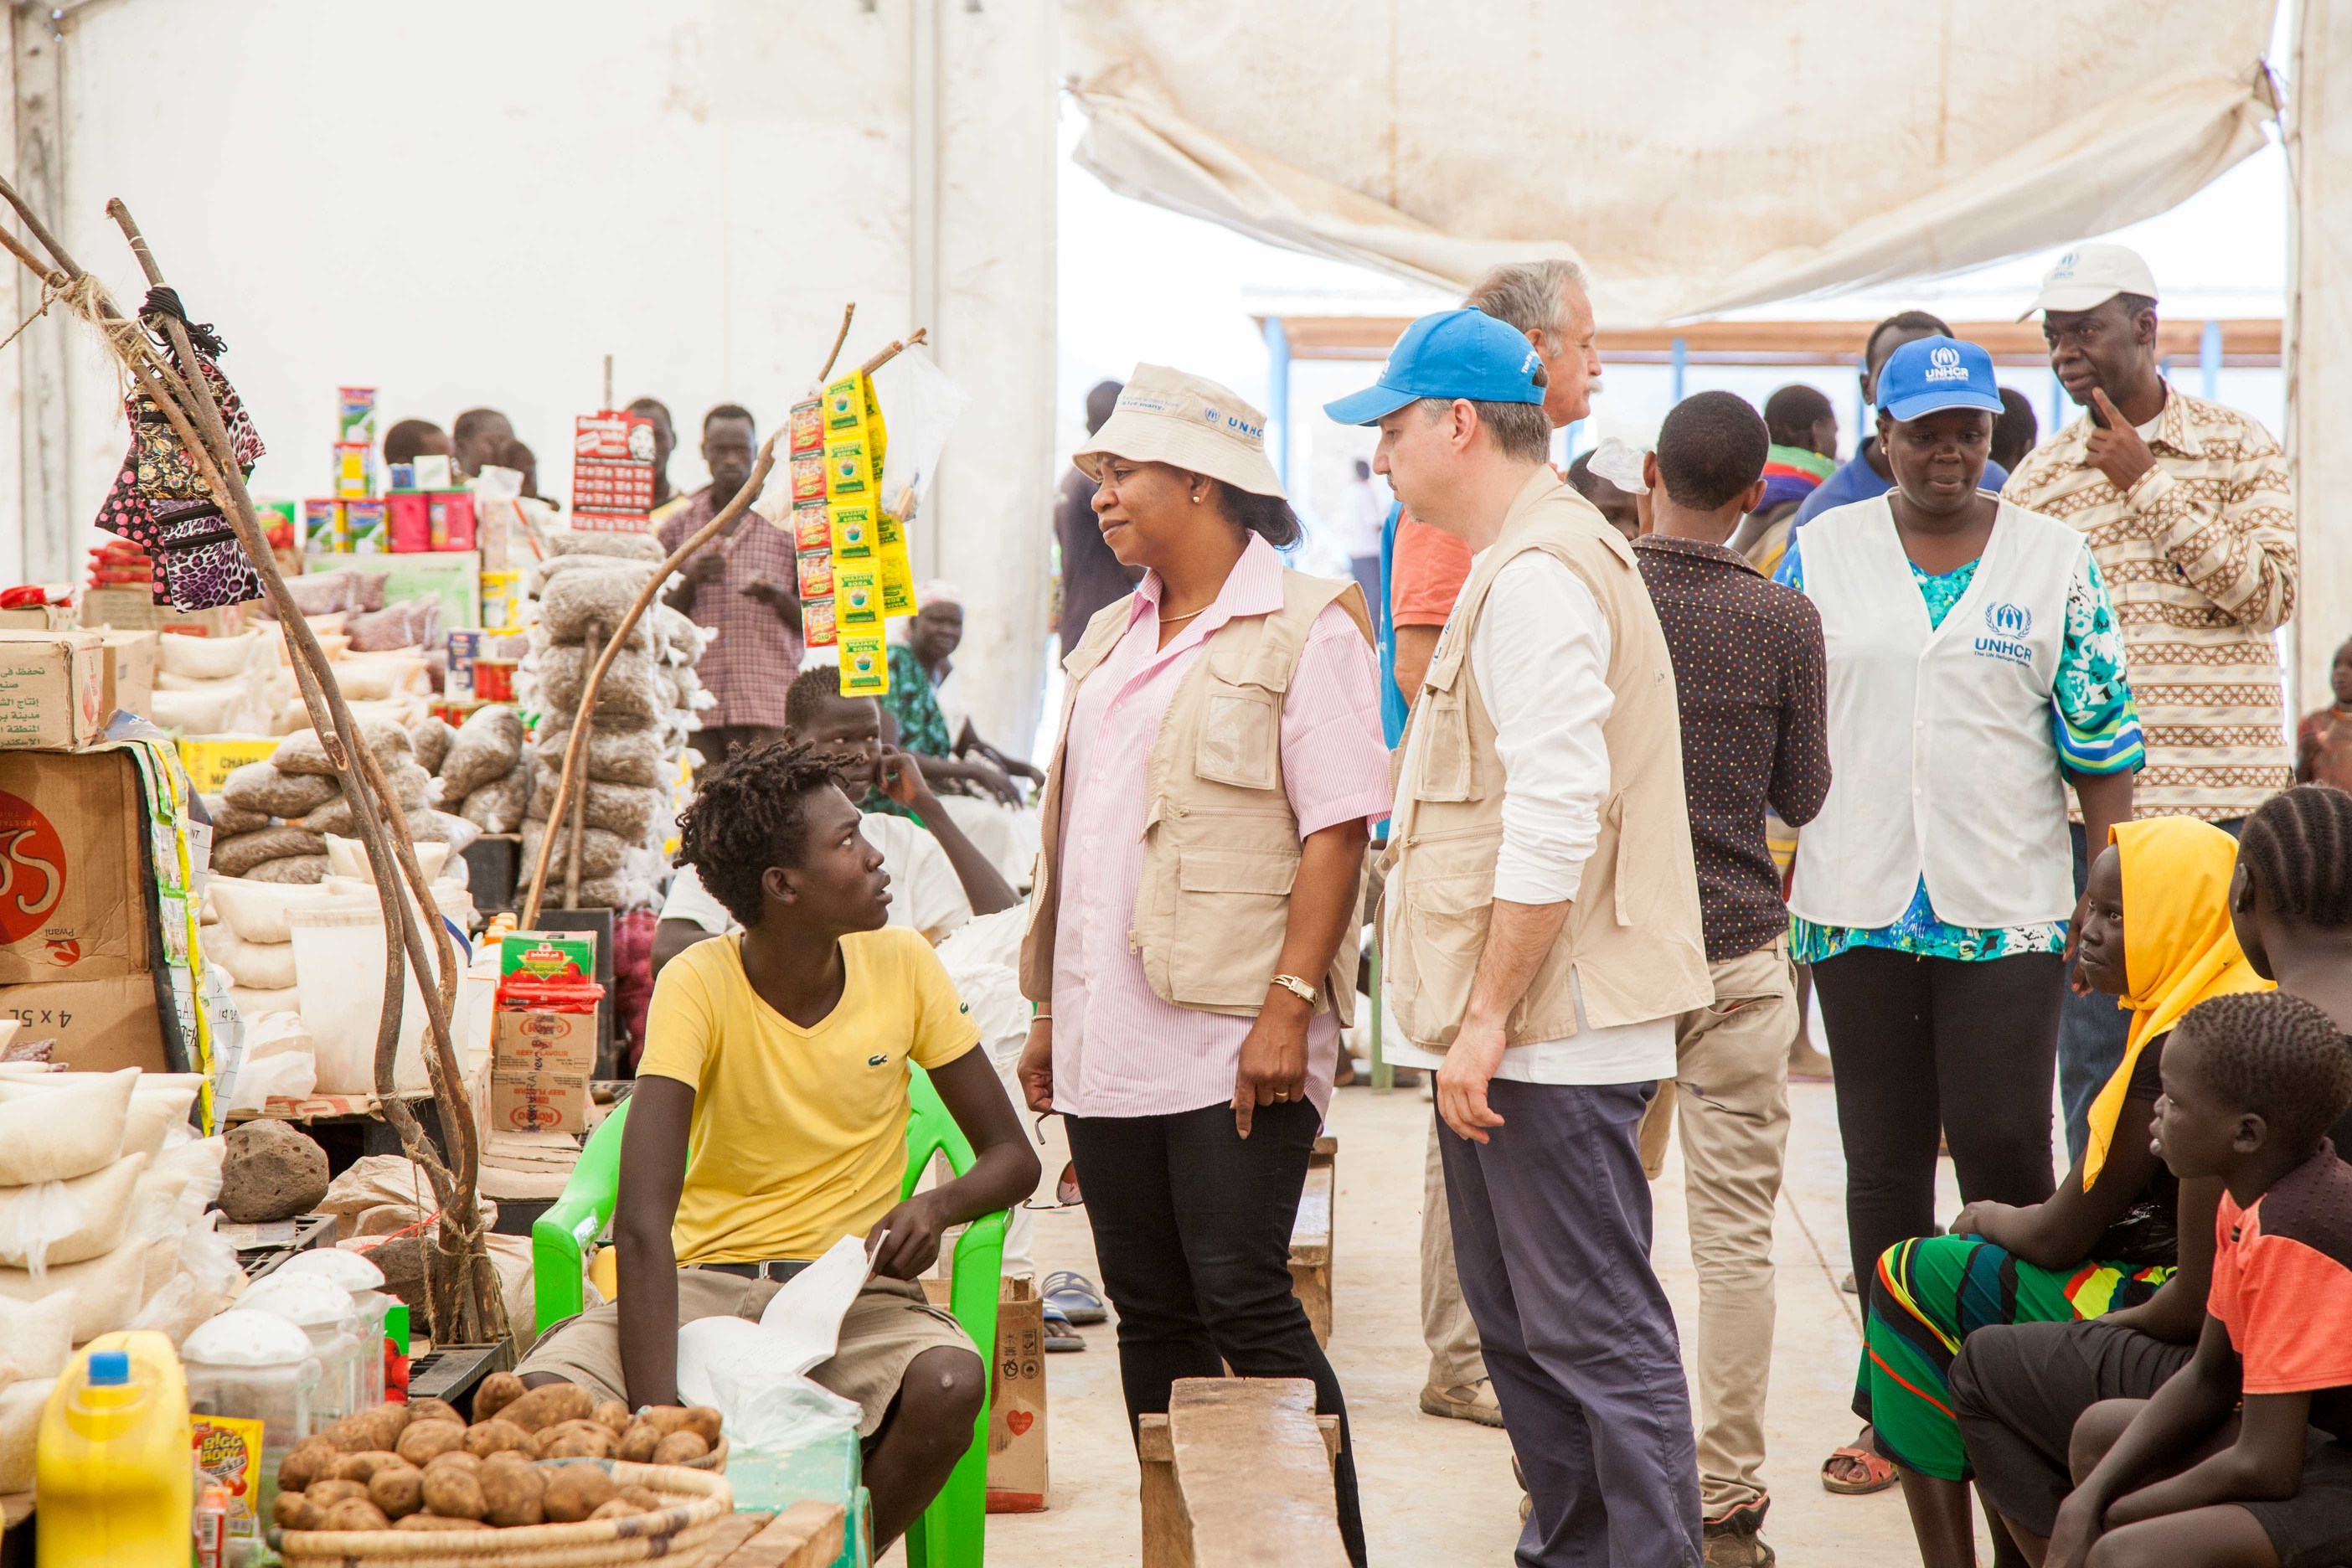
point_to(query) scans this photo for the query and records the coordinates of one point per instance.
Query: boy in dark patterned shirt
(1750, 677)
(2194, 1476)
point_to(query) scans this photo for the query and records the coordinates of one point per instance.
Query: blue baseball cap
(1927, 375)
(1454, 353)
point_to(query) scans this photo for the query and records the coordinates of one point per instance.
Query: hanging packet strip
(865, 665)
(856, 597)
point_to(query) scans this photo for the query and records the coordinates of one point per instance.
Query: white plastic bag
(39, 1334)
(68, 1221)
(754, 1374)
(58, 1126)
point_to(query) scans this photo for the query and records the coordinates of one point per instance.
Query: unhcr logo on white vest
(2009, 625)
(1944, 364)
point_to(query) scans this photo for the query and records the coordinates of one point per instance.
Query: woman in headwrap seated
(2120, 1240)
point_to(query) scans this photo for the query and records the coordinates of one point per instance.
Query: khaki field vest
(1633, 938)
(1219, 845)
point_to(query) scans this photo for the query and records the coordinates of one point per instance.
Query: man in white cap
(2188, 512)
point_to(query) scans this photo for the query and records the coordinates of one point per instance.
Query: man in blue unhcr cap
(1933, 896)
(1542, 934)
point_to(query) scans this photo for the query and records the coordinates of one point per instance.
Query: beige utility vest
(1633, 938)
(1219, 845)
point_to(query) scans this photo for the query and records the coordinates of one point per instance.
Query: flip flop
(1059, 1335)
(1073, 1296)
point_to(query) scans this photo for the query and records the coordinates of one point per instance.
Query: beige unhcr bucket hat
(1188, 422)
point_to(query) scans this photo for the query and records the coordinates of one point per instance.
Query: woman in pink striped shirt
(1193, 937)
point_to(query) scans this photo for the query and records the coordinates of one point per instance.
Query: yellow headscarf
(2179, 949)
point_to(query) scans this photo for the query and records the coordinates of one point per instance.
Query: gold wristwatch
(1296, 987)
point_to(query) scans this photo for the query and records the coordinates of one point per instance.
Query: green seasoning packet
(548, 954)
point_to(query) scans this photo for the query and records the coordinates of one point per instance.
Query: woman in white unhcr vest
(1975, 672)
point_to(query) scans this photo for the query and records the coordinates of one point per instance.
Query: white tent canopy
(1697, 158)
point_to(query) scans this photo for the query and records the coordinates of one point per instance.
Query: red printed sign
(32, 869)
(611, 472)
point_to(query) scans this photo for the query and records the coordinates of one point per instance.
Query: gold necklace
(1179, 620)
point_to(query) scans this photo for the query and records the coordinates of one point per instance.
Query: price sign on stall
(611, 473)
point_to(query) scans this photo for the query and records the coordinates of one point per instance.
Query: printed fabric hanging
(160, 500)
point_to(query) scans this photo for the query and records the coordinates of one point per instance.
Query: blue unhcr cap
(1454, 353)
(1927, 375)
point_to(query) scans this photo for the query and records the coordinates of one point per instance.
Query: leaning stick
(575, 750)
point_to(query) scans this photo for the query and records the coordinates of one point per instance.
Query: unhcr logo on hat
(1944, 364)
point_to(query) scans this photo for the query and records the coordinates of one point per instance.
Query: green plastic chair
(952, 1531)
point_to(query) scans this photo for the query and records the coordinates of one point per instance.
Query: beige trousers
(1455, 1361)
(1730, 1093)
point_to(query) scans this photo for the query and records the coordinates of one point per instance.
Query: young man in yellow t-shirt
(769, 1120)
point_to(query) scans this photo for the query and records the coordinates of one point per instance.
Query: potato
(680, 1447)
(453, 1493)
(514, 1494)
(483, 1438)
(364, 1467)
(612, 1414)
(575, 1492)
(575, 1440)
(499, 1389)
(437, 1521)
(330, 1492)
(375, 1430)
(295, 1511)
(703, 1421)
(306, 1462)
(432, 1410)
(548, 1405)
(355, 1514)
(639, 1443)
(664, 1418)
(398, 1489)
(426, 1440)
(619, 1507)
(507, 1457)
(459, 1461)
(644, 1495)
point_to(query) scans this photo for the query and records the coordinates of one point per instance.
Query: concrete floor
(1440, 1491)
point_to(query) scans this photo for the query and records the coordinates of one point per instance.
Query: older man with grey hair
(1546, 301)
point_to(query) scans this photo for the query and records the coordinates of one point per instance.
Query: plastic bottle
(250, 1376)
(322, 1309)
(364, 1281)
(113, 1485)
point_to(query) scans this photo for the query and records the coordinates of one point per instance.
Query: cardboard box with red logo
(1018, 1480)
(73, 903)
(543, 1034)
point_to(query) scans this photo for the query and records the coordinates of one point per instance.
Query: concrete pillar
(2319, 342)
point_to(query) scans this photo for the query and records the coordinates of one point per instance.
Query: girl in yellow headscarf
(2156, 934)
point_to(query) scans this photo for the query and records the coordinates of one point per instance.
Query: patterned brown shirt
(1750, 673)
(750, 664)
(2199, 560)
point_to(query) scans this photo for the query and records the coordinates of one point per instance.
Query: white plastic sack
(68, 1221)
(205, 658)
(255, 911)
(20, 1428)
(38, 1336)
(348, 857)
(256, 965)
(340, 949)
(754, 1374)
(105, 1290)
(290, 1076)
(58, 1126)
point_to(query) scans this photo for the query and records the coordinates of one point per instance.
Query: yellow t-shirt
(799, 1136)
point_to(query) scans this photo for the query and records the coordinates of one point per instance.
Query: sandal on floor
(1073, 1296)
(1059, 1335)
(1856, 1470)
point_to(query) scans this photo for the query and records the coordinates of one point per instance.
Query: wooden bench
(805, 1535)
(1310, 1239)
(1238, 1475)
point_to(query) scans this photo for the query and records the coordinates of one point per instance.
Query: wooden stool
(1310, 1239)
(1238, 1473)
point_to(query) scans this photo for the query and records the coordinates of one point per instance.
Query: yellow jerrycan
(114, 1478)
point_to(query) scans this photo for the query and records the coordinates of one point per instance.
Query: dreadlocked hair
(749, 813)
(2277, 1056)
(2298, 846)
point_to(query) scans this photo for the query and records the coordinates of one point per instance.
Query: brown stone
(271, 1172)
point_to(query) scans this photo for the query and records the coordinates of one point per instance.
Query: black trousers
(1925, 1045)
(1191, 1226)
(2016, 1390)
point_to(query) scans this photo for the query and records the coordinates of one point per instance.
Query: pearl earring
(1196, 501)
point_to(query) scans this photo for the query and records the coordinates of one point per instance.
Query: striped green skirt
(1929, 1294)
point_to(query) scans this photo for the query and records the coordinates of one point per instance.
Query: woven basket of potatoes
(539, 1480)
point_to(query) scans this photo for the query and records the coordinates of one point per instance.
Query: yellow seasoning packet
(848, 469)
(865, 666)
(853, 535)
(845, 402)
(898, 584)
(856, 597)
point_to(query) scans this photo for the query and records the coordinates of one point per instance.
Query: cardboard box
(72, 900)
(129, 671)
(540, 1068)
(135, 610)
(52, 684)
(210, 759)
(1018, 1478)
(99, 1025)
